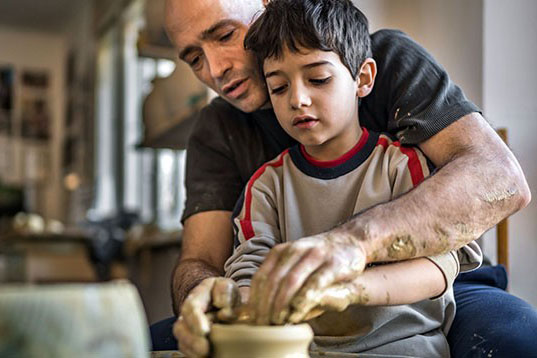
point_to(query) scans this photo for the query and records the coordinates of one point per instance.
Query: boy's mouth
(304, 121)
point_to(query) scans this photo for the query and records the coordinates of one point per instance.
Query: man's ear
(366, 77)
(265, 2)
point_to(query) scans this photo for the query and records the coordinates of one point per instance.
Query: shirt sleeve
(213, 181)
(449, 265)
(255, 229)
(413, 92)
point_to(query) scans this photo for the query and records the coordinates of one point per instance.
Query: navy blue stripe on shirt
(333, 172)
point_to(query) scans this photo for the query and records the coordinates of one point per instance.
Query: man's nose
(219, 63)
(299, 97)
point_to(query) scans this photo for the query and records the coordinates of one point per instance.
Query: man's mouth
(235, 89)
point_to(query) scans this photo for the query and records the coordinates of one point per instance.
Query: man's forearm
(188, 273)
(206, 245)
(477, 188)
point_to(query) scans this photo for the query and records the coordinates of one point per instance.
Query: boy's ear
(366, 77)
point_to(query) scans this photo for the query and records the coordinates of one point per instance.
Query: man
(425, 109)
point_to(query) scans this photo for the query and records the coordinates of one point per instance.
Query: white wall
(489, 48)
(450, 30)
(33, 50)
(510, 100)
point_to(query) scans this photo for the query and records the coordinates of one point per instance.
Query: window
(149, 182)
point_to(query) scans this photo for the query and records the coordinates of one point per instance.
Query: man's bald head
(209, 36)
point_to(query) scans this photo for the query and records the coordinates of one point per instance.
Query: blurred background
(95, 113)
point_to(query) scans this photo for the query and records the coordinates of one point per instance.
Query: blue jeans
(489, 321)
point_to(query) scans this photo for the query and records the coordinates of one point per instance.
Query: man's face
(209, 36)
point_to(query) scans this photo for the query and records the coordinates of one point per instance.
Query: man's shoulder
(384, 42)
(385, 34)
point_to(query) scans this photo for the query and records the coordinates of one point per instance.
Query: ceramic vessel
(246, 341)
(72, 320)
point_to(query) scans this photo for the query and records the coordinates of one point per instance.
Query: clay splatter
(497, 196)
(402, 247)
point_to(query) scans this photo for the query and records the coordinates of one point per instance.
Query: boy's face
(314, 97)
(209, 36)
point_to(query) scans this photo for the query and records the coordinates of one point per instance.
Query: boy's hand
(213, 297)
(300, 277)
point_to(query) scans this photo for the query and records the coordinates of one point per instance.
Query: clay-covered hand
(299, 277)
(214, 298)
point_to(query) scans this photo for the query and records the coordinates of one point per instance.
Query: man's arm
(196, 289)
(210, 229)
(479, 183)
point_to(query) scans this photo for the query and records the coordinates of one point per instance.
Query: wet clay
(248, 341)
(401, 248)
(498, 196)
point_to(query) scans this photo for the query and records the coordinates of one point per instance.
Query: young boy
(316, 59)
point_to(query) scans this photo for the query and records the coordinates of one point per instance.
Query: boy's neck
(337, 146)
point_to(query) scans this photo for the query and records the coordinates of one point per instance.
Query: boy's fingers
(200, 296)
(197, 321)
(190, 344)
(225, 293)
(196, 305)
(226, 314)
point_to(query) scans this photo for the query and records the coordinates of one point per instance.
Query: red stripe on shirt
(335, 162)
(414, 164)
(246, 223)
(383, 142)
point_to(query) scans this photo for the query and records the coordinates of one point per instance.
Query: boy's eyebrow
(207, 34)
(318, 63)
(307, 66)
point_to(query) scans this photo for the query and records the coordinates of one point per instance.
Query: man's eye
(278, 90)
(227, 36)
(320, 81)
(194, 62)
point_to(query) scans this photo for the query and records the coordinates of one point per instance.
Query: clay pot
(246, 341)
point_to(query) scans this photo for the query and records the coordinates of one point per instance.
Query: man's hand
(299, 277)
(213, 297)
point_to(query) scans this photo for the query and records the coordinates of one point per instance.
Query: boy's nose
(299, 98)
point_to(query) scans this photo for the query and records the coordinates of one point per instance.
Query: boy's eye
(227, 36)
(278, 89)
(320, 81)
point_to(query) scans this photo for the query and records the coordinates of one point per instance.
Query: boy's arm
(255, 228)
(396, 283)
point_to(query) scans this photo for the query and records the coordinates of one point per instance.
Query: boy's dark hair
(327, 25)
